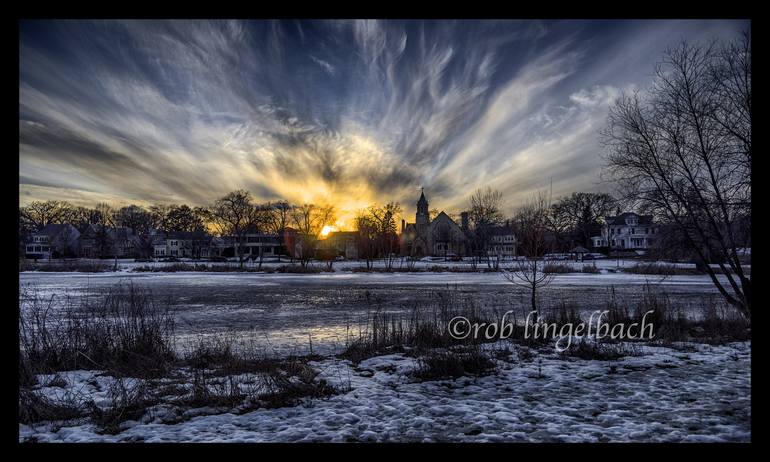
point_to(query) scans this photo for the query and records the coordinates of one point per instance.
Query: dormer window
(631, 221)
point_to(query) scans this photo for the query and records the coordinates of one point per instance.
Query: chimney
(403, 226)
(464, 220)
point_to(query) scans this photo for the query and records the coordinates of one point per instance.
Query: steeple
(422, 200)
(422, 217)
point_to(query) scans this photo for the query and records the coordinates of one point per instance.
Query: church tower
(422, 219)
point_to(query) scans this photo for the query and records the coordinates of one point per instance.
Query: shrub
(299, 269)
(660, 269)
(35, 407)
(587, 349)
(130, 401)
(443, 364)
(81, 266)
(124, 331)
(556, 268)
(423, 327)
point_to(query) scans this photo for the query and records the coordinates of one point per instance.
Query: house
(502, 242)
(53, 241)
(438, 237)
(99, 241)
(182, 244)
(94, 242)
(629, 231)
(124, 242)
(264, 245)
(269, 244)
(344, 243)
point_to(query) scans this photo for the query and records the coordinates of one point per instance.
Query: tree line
(232, 216)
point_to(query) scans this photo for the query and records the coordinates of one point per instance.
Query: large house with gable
(627, 231)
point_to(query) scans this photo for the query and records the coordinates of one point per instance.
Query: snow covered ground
(669, 395)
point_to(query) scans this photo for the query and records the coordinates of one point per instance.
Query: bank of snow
(663, 395)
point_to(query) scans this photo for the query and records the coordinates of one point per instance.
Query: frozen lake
(284, 312)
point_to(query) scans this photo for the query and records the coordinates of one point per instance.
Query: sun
(327, 229)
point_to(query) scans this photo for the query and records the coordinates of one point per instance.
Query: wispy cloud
(347, 112)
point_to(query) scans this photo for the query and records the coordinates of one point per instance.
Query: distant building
(53, 241)
(628, 231)
(502, 242)
(343, 243)
(269, 244)
(182, 244)
(438, 237)
(99, 241)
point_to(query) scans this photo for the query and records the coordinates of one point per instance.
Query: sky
(347, 113)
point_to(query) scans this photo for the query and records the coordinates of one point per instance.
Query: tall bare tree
(233, 216)
(683, 151)
(383, 220)
(309, 220)
(532, 229)
(367, 237)
(134, 217)
(484, 214)
(580, 214)
(42, 213)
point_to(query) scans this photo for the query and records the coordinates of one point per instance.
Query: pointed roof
(422, 199)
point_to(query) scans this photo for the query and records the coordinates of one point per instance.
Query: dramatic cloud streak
(346, 112)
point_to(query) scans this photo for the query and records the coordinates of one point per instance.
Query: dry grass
(125, 331)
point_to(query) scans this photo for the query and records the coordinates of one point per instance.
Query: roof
(123, 232)
(181, 235)
(579, 249)
(344, 233)
(53, 229)
(501, 230)
(621, 219)
(422, 199)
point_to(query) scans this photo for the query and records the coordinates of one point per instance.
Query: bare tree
(134, 217)
(280, 218)
(233, 216)
(158, 214)
(581, 214)
(367, 237)
(532, 224)
(383, 221)
(263, 223)
(42, 213)
(484, 213)
(309, 220)
(105, 220)
(182, 218)
(683, 151)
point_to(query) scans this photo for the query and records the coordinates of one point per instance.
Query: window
(174, 243)
(174, 252)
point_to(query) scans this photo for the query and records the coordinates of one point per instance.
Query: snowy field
(700, 394)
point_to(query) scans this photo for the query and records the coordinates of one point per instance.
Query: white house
(502, 242)
(181, 245)
(54, 240)
(627, 231)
